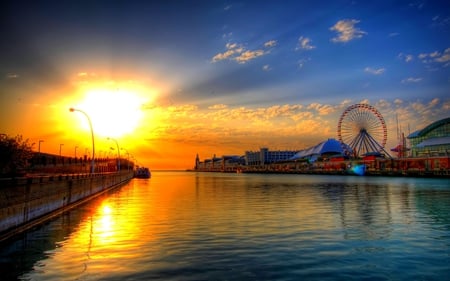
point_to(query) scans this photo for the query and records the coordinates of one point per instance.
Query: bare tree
(14, 155)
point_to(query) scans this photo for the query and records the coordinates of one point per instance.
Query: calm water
(206, 226)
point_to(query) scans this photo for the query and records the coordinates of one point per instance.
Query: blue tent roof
(330, 146)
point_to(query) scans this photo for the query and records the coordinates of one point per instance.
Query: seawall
(28, 201)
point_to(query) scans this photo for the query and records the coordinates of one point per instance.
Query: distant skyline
(170, 79)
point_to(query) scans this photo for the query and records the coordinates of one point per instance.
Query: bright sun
(113, 113)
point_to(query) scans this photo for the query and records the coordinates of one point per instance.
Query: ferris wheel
(362, 129)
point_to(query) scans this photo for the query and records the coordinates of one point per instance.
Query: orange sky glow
(162, 135)
(169, 81)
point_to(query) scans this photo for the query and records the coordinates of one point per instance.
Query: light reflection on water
(206, 226)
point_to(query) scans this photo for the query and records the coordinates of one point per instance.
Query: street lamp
(92, 134)
(39, 151)
(76, 151)
(39, 146)
(60, 145)
(118, 153)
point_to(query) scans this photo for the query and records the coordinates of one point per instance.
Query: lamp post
(39, 146)
(60, 145)
(39, 151)
(76, 151)
(118, 153)
(92, 135)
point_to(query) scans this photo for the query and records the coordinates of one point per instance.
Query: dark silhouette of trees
(15, 152)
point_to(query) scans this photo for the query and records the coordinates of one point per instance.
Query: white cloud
(304, 43)
(417, 4)
(436, 56)
(249, 55)
(439, 21)
(223, 56)
(271, 43)
(411, 80)
(346, 30)
(382, 103)
(445, 56)
(446, 105)
(364, 101)
(374, 71)
(302, 62)
(405, 57)
(266, 67)
(227, 35)
(238, 53)
(398, 101)
(218, 106)
(345, 103)
(232, 50)
(422, 56)
(434, 102)
(322, 109)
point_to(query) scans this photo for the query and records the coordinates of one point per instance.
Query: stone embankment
(28, 201)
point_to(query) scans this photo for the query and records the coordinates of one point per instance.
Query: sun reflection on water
(105, 225)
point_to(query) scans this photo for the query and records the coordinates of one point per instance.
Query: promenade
(52, 185)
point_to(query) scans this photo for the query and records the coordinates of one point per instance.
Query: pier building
(265, 156)
(433, 140)
(226, 162)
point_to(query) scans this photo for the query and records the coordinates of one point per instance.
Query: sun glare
(113, 112)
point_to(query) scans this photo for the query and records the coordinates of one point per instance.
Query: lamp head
(72, 109)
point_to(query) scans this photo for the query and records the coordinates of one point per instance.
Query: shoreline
(442, 174)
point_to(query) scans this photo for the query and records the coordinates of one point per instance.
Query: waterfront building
(219, 163)
(265, 156)
(433, 140)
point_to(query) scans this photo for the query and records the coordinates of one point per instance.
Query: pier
(437, 166)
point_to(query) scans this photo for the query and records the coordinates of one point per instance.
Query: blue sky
(220, 59)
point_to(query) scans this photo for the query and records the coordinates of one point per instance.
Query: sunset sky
(170, 79)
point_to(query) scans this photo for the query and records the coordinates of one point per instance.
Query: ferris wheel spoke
(373, 122)
(366, 149)
(360, 145)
